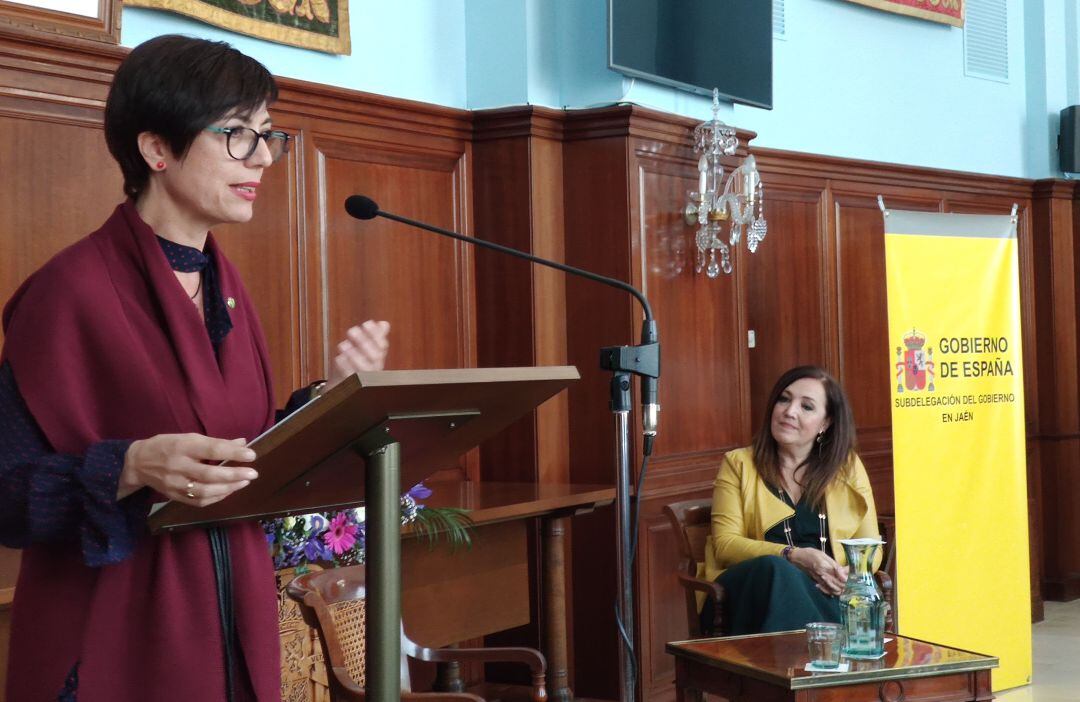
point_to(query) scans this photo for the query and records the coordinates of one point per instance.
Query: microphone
(361, 207)
(642, 360)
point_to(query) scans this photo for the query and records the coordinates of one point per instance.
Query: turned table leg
(554, 586)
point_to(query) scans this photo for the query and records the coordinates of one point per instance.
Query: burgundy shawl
(104, 344)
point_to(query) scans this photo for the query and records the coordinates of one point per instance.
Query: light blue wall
(411, 49)
(848, 80)
(497, 57)
(1050, 52)
(512, 52)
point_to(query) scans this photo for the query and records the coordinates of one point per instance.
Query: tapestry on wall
(322, 25)
(944, 11)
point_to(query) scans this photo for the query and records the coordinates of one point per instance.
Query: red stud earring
(161, 165)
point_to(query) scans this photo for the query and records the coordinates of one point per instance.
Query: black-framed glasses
(241, 142)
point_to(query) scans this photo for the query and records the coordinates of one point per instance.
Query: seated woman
(781, 506)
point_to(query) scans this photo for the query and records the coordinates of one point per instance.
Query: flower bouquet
(338, 537)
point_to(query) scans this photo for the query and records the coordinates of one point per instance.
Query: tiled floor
(1056, 658)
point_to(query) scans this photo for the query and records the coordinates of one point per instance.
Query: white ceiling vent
(986, 39)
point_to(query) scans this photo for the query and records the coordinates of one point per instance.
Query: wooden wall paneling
(703, 386)
(54, 145)
(1056, 265)
(890, 179)
(597, 238)
(409, 146)
(1035, 532)
(420, 282)
(43, 213)
(862, 318)
(865, 347)
(549, 303)
(521, 310)
(69, 77)
(504, 290)
(1049, 237)
(506, 322)
(521, 319)
(787, 292)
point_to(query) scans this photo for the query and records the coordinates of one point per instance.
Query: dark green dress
(768, 593)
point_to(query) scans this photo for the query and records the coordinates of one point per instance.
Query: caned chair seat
(333, 603)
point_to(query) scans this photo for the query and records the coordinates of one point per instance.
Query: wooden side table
(769, 668)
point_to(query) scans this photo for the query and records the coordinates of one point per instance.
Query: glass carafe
(863, 609)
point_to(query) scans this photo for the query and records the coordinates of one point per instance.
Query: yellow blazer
(744, 508)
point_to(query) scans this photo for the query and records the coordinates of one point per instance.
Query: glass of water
(824, 640)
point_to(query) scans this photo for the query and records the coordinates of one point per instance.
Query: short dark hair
(833, 452)
(175, 86)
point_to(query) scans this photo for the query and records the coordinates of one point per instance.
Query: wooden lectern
(359, 443)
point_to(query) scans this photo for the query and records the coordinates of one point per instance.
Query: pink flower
(341, 535)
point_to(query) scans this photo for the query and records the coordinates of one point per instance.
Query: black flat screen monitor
(696, 45)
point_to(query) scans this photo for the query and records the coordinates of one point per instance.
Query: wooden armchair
(332, 602)
(691, 522)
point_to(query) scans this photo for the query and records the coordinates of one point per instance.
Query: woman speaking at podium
(133, 363)
(782, 505)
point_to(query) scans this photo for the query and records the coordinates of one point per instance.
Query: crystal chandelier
(738, 200)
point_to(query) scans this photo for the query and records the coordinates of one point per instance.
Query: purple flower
(315, 550)
(290, 554)
(419, 491)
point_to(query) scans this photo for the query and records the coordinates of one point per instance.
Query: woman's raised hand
(829, 575)
(183, 467)
(364, 349)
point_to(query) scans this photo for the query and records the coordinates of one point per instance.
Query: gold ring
(191, 489)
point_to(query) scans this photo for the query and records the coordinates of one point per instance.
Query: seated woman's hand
(829, 575)
(183, 467)
(364, 349)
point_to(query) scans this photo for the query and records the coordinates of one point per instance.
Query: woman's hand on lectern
(184, 467)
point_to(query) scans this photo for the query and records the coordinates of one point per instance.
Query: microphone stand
(642, 360)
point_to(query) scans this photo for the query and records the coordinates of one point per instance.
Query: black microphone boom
(363, 207)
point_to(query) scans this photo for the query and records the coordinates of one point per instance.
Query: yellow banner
(959, 467)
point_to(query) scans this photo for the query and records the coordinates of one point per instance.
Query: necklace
(822, 538)
(197, 289)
